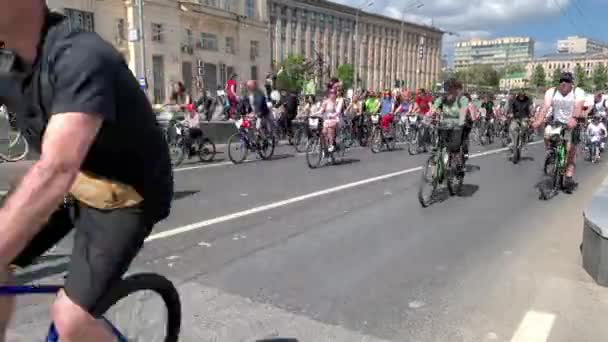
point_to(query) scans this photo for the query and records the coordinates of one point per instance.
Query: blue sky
(544, 20)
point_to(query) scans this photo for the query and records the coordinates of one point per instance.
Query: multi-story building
(199, 42)
(387, 51)
(516, 80)
(576, 44)
(568, 62)
(497, 53)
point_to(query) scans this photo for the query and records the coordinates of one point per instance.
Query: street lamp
(411, 6)
(365, 4)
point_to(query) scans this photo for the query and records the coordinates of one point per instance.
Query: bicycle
(317, 149)
(445, 165)
(17, 146)
(249, 139)
(381, 136)
(178, 149)
(114, 299)
(555, 161)
(423, 134)
(519, 143)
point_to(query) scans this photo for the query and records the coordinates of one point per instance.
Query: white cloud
(467, 17)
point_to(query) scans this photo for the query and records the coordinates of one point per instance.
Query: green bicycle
(444, 166)
(555, 162)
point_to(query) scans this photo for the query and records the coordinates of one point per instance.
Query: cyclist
(468, 125)
(596, 131)
(99, 140)
(372, 103)
(258, 104)
(387, 107)
(598, 106)
(454, 110)
(423, 102)
(567, 103)
(330, 111)
(520, 112)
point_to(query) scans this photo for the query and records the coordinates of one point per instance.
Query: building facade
(497, 53)
(198, 42)
(514, 81)
(576, 44)
(567, 62)
(386, 52)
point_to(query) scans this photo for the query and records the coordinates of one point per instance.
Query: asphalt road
(346, 253)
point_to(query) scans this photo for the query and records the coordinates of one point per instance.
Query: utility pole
(356, 63)
(142, 44)
(410, 6)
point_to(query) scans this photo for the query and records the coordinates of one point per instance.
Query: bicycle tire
(206, 150)
(177, 152)
(300, 140)
(233, 141)
(22, 155)
(376, 141)
(425, 180)
(454, 188)
(549, 161)
(148, 282)
(312, 160)
(413, 147)
(516, 151)
(267, 150)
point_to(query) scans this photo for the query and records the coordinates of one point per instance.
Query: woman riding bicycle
(454, 110)
(330, 111)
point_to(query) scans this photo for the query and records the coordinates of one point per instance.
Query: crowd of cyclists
(425, 120)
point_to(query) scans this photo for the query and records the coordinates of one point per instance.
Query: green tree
(600, 77)
(539, 77)
(481, 75)
(557, 74)
(292, 73)
(580, 77)
(346, 75)
(512, 69)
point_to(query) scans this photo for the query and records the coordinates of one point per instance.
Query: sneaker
(569, 185)
(331, 148)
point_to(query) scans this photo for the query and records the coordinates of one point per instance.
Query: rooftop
(572, 56)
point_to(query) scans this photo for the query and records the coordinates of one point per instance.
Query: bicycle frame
(23, 290)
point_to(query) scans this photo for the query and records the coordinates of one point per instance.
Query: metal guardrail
(595, 236)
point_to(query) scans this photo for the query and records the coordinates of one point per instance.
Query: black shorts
(451, 137)
(105, 243)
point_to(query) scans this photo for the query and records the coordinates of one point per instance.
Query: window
(208, 41)
(229, 5)
(157, 32)
(254, 49)
(223, 79)
(230, 46)
(209, 2)
(254, 72)
(250, 8)
(82, 20)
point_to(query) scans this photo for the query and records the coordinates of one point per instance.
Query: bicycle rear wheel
(143, 307)
(206, 150)
(301, 140)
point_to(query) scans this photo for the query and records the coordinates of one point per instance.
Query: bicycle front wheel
(237, 148)
(428, 182)
(143, 307)
(314, 152)
(16, 149)
(376, 143)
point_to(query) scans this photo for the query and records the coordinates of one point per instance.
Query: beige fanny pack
(101, 193)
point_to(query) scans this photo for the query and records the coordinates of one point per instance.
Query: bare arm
(66, 143)
(544, 111)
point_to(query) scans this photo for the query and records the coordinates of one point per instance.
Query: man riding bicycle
(567, 104)
(80, 106)
(454, 110)
(520, 111)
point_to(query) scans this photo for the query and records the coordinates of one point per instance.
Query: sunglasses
(565, 81)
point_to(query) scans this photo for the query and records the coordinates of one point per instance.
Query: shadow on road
(347, 161)
(468, 190)
(471, 168)
(282, 156)
(182, 194)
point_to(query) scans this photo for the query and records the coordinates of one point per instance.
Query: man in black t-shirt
(80, 106)
(521, 110)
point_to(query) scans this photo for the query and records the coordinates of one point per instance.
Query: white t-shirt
(595, 131)
(563, 106)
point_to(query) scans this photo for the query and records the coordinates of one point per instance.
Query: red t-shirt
(424, 103)
(231, 88)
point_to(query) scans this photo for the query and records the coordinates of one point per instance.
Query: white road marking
(206, 223)
(534, 327)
